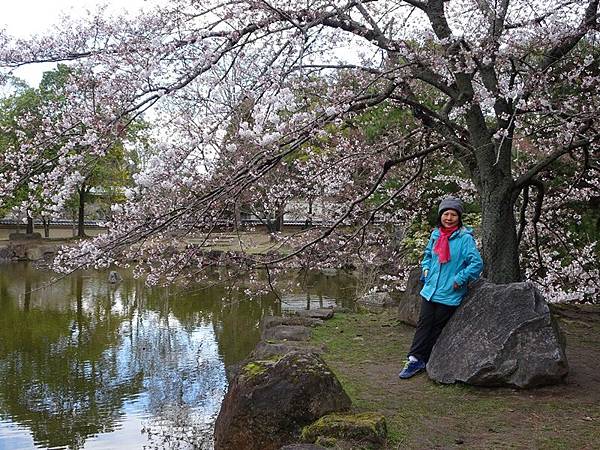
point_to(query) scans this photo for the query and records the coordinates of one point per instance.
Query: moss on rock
(326, 441)
(365, 427)
(256, 368)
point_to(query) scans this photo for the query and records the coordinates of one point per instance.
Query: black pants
(432, 319)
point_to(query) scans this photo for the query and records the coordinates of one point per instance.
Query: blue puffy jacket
(465, 265)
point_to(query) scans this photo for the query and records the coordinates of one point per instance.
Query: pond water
(89, 365)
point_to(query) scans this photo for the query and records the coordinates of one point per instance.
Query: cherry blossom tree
(471, 81)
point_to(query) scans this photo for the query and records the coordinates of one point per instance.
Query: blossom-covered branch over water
(374, 108)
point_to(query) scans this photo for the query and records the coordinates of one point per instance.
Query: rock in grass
(320, 313)
(270, 401)
(502, 335)
(276, 321)
(287, 333)
(269, 349)
(364, 428)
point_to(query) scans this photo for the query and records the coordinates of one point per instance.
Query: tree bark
(29, 229)
(279, 218)
(498, 234)
(46, 223)
(81, 213)
(493, 178)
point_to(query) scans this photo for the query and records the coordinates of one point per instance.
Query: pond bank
(34, 248)
(366, 352)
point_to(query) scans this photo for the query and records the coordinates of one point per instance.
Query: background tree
(23, 102)
(31, 112)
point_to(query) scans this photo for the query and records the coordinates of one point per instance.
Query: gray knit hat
(451, 203)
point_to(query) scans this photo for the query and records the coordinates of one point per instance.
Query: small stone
(287, 333)
(459, 441)
(322, 313)
(376, 300)
(114, 277)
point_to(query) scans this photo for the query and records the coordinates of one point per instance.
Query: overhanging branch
(533, 171)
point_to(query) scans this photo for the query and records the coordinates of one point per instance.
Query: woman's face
(450, 218)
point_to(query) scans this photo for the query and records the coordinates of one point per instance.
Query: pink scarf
(442, 247)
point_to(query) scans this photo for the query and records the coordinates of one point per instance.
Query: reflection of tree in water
(59, 377)
(233, 317)
(184, 377)
(67, 371)
(178, 428)
(236, 318)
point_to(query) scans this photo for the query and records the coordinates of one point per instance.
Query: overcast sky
(25, 17)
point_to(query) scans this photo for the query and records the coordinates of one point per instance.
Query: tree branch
(589, 22)
(540, 166)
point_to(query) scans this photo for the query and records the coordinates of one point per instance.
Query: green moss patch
(256, 368)
(364, 427)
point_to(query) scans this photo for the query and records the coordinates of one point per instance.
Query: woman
(451, 260)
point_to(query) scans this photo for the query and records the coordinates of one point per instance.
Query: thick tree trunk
(491, 172)
(81, 213)
(498, 233)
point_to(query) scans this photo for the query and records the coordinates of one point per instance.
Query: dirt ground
(366, 351)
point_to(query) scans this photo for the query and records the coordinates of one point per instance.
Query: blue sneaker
(412, 368)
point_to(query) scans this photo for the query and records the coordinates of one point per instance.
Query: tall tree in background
(31, 112)
(24, 102)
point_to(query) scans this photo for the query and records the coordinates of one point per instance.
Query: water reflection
(88, 365)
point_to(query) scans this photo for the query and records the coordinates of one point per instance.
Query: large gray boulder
(409, 306)
(502, 335)
(270, 401)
